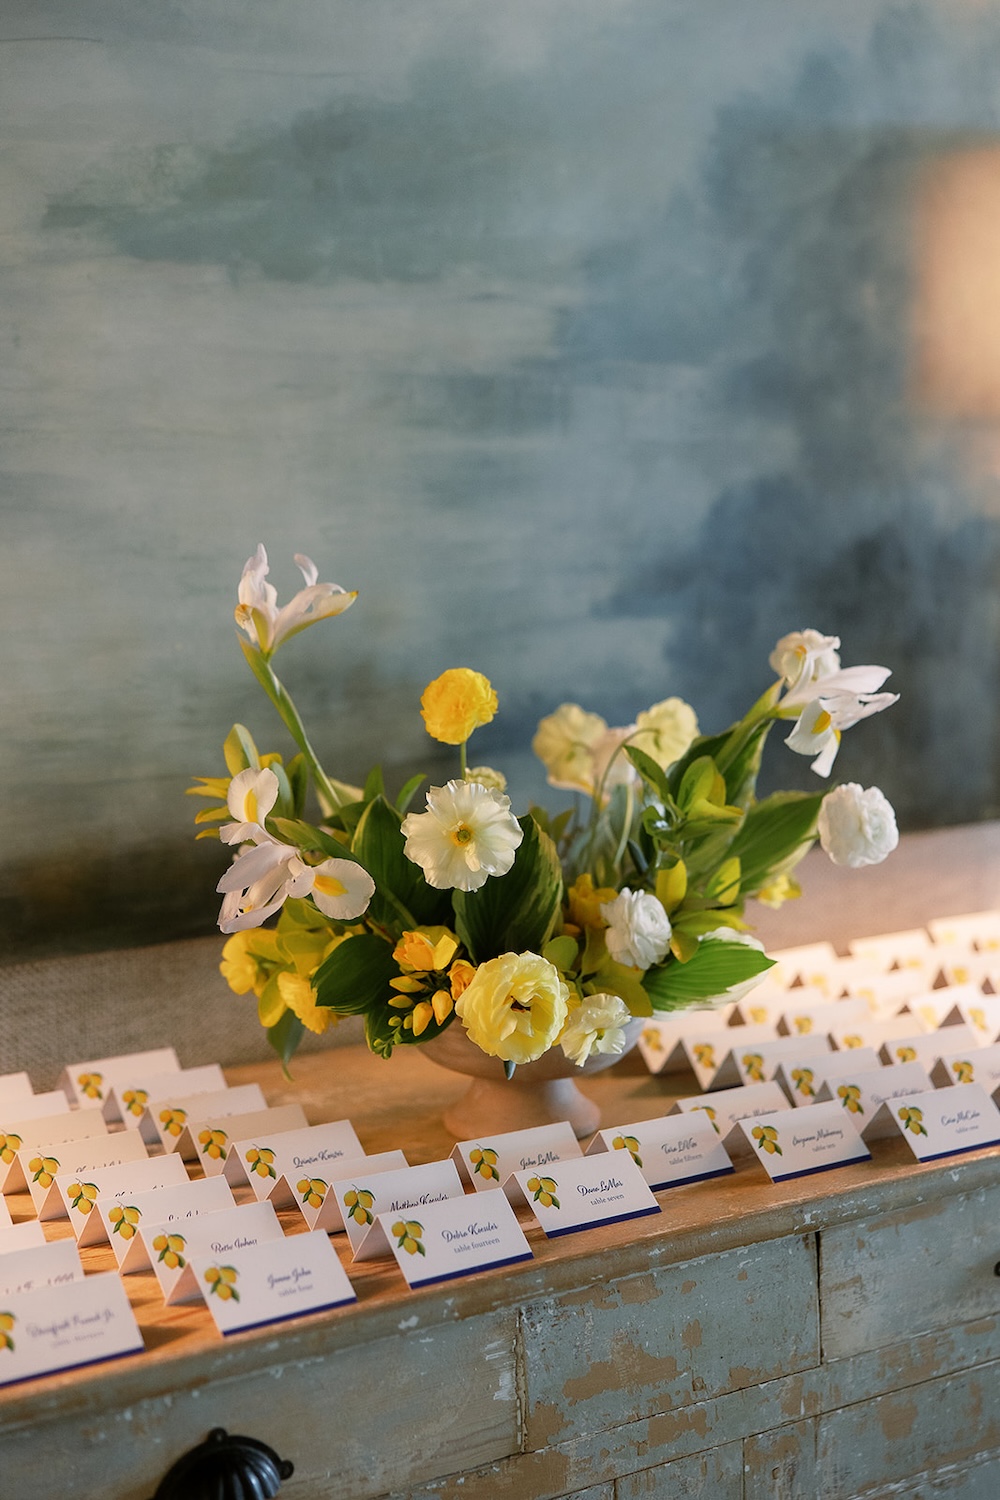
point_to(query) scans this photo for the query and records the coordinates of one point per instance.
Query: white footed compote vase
(539, 1093)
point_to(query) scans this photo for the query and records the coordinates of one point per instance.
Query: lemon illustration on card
(803, 1079)
(9, 1143)
(754, 1065)
(766, 1137)
(313, 1190)
(82, 1196)
(90, 1085)
(7, 1321)
(708, 1110)
(261, 1161)
(44, 1169)
(704, 1054)
(170, 1250)
(408, 1234)
(849, 1095)
(544, 1191)
(964, 1071)
(853, 1041)
(134, 1101)
(213, 1143)
(124, 1221)
(222, 1283)
(359, 1203)
(173, 1121)
(629, 1143)
(912, 1119)
(484, 1162)
(906, 1054)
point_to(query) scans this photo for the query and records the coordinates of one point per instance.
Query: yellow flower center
(330, 886)
(462, 834)
(823, 722)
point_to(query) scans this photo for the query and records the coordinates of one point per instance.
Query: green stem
(281, 698)
(462, 765)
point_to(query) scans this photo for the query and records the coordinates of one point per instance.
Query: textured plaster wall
(579, 335)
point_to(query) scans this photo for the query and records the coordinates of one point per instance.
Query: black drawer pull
(226, 1468)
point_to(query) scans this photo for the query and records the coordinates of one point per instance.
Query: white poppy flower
(258, 614)
(638, 931)
(564, 743)
(666, 730)
(467, 834)
(597, 1025)
(250, 798)
(857, 826)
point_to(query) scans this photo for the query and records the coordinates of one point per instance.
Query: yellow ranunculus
(300, 997)
(456, 703)
(515, 1006)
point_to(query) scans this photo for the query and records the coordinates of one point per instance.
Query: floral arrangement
(531, 932)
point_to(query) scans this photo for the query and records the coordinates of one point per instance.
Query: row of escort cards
(796, 1078)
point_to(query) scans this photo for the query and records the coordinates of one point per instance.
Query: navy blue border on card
(638, 1213)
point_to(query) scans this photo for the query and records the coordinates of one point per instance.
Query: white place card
(37, 1266)
(661, 1038)
(804, 1017)
(727, 1106)
(870, 1033)
(21, 1236)
(894, 948)
(887, 993)
(927, 1046)
(980, 929)
(129, 1093)
(669, 1151)
(272, 1282)
(164, 1119)
(941, 1122)
(971, 967)
(455, 1238)
(488, 1161)
(798, 1143)
(872, 1091)
(975, 1065)
(170, 1246)
(758, 1062)
(24, 1134)
(765, 1006)
(122, 1218)
(209, 1139)
(272, 1164)
(981, 1013)
(317, 1202)
(801, 964)
(44, 1166)
(61, 1327)
(705, 1051)
(5, 1219)
(932, 1008)
(20, 1107)
(14, 1086)
(836, 981)
(584, 1193)
(88, 1082)
(113, 1185)
(801, 1082)
(363, 1196)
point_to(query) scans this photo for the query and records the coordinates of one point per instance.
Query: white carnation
(638, 932)
(857, 826)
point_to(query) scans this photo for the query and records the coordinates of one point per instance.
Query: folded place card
(14, 1086)
(727, 1106)
(16, 1108)
(365, 1195)
(888, 992)
(981, 1013)
(974, 1065)
(23, 1134)
(272, 1282)
(455, 1238)
(766, 1006)
(836, 980)
(797, 1143)
(487, 1162)
(62, 1327)
(37, 1266)
(44, 1165)
(971, 967)
(273, 1163)
(669, 1151)
(317, 1202)
(113, 1185)
(21, 1236)
(661, 1039)
(220, 1234)
(582, 1194)
(802, 1082)
(805, 1017)
(758, 1062)
(129, 1094)
(122, 1217)
(862, 1097)
(870, 1033)
(88, 1082)
(705, 1051)
(209, 1138)
(801, 964)
(164, 1119)
(933, 1008)
(927, 1046)
(901, 949)
(980, 928)
(940, 1122)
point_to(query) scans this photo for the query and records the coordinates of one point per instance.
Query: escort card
(669, 1151)
(801, 1082)
(869, 1091)
(81, 1194)
(870, 1033)
(44, 1165)
(20, 1107)
(804, 1017)
(164, 1119)
(14, 1086)
(705, 1051)
(87, 1082)
(317, 1202)
(661, 1039)
(838, 980)
(729, 1105)
(970, 967)
(799, 1142)
(38, 1266)
(123, 1217)
(757, 1062)
(220, 1234)
(488, 1162)
(363, 1196)
(20, 1236)
(272, 1282)
(981, 1013)
(927, 1046)
(979, 928)
(903, 949)
(941, 1122)
(765, 1006)
(801, 965)
(887, 993)
(23, 1134)
(209, 1138)
(976, 1065)
(61, 1327)
(129, 1093)
(273, 1164)
(931, 1009)
(455, 1238)
(584, 1193)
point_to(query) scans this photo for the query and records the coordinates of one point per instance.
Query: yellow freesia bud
(456, 703)
(461, 975)
(585, 902)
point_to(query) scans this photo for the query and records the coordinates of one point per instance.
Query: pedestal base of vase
(493, 1106)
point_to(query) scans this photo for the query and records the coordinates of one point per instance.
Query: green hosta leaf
(516, 912)
(355, 977)
(374, 785)
(240, 750)
(402, 898)
(285, 1036)
(408, 792)
(562, 951)
(775, 834)
(714, 970)
(651, 773)
(724, 886)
